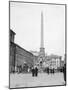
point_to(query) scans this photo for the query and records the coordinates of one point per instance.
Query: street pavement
(43, 79)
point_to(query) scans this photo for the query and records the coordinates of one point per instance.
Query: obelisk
(42, 43)
(42, 49)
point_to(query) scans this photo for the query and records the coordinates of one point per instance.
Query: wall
(23, 56)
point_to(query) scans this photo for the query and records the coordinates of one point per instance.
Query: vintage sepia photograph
(37, 44)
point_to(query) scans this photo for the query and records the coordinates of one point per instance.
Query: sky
(25, 21)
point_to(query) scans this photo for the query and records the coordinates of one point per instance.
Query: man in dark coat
(64, 72)
(33, 71)
(48, 70)
(36, 71)
(53, 70)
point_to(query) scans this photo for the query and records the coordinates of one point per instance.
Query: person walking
(36, 71)
(53, 70)
(47, 70)
(33, 71)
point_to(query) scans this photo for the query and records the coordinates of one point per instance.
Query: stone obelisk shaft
(42, 39)
(42, 49)
(41, 57)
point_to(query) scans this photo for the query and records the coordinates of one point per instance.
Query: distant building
(53, 61)
(18, 55)
(62, 63)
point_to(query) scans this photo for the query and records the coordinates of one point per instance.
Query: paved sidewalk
(43, 79)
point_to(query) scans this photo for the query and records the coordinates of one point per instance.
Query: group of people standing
(34, 71)
(50, 71)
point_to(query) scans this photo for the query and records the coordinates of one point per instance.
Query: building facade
(11, 51)
(22, 57)
(18, 55)
(53, 61)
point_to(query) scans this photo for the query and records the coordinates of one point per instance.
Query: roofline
(22, 48)
(12, 31)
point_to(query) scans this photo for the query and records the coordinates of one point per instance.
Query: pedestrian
(48, 70)
(36, 71)
(64, 72)
(33, 71)
(53, 70)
